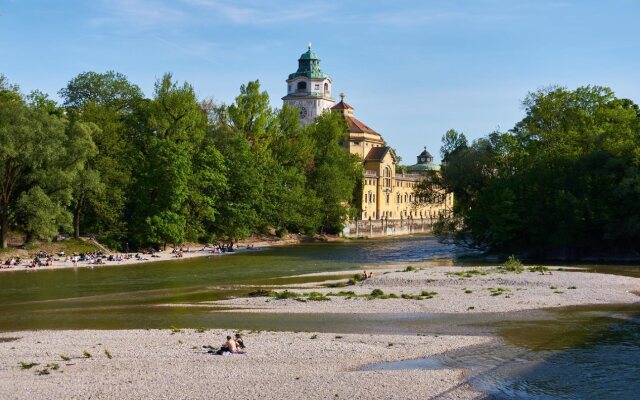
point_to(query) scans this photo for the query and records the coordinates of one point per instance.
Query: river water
(577, 352)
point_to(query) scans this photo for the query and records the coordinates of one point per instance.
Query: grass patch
(201, 329)
(336, 285)
(558, 291)
(86, 354)
(572, 287)
(44, 371)
(314, 337)
(553, 287)
(470, 273)
(411, 296)
(538, 268)
(25, 365)
(344, 293)
(409, 269)
(512, 265)
(70, 246)
(376, 293)
(107, 353)
(174, 329)
(498, 291)
(427, 294)
(316, 296)
(53, 366)
(468, 291)
(65, 358)
(285, 295)
(260, 293)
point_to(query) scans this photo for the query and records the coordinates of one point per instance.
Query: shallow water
(572, 353)
(128, 296)
(576, 352)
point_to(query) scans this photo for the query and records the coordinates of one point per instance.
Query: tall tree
(109, 101)
(39, 158)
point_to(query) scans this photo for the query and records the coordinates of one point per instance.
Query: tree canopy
(564, 180)
(167, 169)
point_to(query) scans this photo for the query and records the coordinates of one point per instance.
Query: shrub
(317, 296)
(377, 292)
(409, 269)
(64, 358)
(513, 265)
(285, 295)
(25, 365)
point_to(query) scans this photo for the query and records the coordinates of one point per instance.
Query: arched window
(302, 87)
(326, 89)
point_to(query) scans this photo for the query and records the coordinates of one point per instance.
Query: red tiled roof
(357, 126)
(342, 106)
(377, 153)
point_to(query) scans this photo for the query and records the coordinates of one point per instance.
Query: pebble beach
(162, 364)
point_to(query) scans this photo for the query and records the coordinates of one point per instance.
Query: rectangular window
(317, 86)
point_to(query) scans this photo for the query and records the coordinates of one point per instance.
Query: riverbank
(252, 243)
(450, 290)
(163, 364)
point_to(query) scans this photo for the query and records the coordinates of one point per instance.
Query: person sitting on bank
(239, 341)
(229, 347)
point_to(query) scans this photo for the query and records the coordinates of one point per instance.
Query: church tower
(309, 89)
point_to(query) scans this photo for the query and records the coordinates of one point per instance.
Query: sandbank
(494, 291)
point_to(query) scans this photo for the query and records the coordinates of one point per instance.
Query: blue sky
(412, 69)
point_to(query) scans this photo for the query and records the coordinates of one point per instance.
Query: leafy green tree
(40, 215)
(334, 173)
(109, 101)
(563, 181)
(172, 127)
(39, 158)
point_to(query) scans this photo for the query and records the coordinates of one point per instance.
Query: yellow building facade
(386, 194)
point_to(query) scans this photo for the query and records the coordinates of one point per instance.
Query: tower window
(316, 86)
(302, 87)
(326, 89)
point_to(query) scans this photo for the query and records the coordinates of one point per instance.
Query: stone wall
(387, 227)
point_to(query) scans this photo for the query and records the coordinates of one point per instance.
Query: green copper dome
(424, 167)
(309, 66)
(309, 55)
